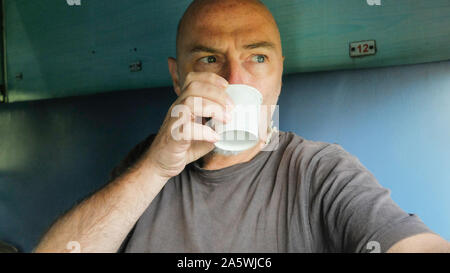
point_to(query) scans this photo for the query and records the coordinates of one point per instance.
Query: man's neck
(215, 161)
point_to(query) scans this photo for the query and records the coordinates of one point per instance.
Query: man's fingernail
(224, 83)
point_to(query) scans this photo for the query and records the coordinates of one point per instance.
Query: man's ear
(173, 69)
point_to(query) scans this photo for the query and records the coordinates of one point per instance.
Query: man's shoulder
(312, 154)
(291, 141)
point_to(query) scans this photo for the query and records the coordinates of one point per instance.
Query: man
(183, 195)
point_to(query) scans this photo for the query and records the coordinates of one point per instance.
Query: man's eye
(209, 59)
(259, 58)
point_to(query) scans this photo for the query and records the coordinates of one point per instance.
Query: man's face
(237, 40)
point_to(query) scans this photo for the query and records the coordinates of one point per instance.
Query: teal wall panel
(66, 50)
(63, 50)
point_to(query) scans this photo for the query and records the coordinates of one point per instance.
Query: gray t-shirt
(304, 196)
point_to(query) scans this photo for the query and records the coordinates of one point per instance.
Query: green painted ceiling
(57, 50)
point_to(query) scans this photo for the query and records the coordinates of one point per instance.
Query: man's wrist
(145, 175)
(155, 173)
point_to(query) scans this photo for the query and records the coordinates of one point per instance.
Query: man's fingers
(203, 95)
(207, 91)
(206, 84)
(193, 131)
(201, 107)
(207, 77)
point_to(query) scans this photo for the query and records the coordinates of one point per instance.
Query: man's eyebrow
(262, 44)
(202, 48)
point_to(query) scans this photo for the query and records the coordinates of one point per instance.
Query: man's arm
(421, 243)
(358, 211)
(101, 222)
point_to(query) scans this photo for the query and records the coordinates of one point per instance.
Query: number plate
(363, 48)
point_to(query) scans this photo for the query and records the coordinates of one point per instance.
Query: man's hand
(181, 139)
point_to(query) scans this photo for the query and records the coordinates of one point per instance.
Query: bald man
(184, 195)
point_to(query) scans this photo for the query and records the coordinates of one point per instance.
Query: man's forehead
(240, 33)
(215, 36)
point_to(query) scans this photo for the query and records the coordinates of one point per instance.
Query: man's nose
(234, 73)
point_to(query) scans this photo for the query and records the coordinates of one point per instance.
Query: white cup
(241, 133)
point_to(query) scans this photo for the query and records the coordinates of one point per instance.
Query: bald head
(200, 8)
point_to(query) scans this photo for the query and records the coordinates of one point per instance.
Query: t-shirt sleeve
(355, 212)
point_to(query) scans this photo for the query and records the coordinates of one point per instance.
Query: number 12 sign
(363, 48)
